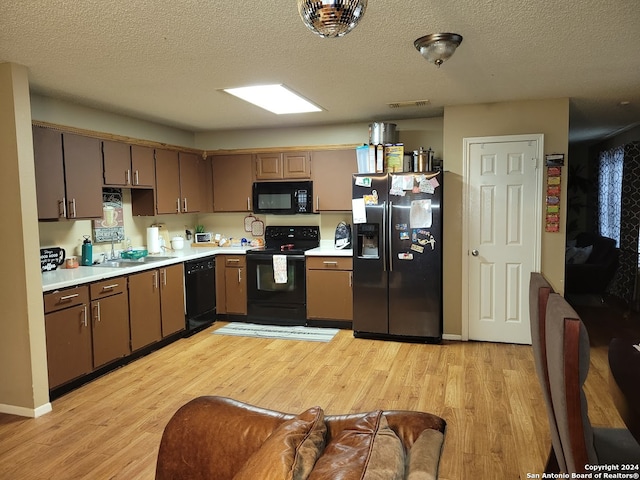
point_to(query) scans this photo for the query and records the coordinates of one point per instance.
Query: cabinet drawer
(329, 263)
(108, 287)
(235, 261)
(66, 298)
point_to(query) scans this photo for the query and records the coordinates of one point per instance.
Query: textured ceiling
(165, 61)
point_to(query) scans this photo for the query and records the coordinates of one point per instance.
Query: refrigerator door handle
(384, 241)
(390, 235)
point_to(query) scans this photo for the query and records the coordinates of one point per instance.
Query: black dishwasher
(200, 292)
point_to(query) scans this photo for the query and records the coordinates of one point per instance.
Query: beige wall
(23, 363)
(422, 132)
(549, 117)
(45, 109)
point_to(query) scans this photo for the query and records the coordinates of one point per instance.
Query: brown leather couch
(220, 438)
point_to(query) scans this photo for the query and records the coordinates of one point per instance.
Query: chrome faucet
(114, 236)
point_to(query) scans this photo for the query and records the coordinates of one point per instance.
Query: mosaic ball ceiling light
(331, 18)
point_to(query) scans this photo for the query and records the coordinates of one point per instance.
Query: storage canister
(381, 133)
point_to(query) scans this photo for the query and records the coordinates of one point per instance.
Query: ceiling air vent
(413, 103)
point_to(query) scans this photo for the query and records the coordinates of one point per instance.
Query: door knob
(474, 253)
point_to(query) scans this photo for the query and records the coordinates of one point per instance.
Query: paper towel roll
(153, 240)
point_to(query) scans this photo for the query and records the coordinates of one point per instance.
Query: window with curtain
(610, 192)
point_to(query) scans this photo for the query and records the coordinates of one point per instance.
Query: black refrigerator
(397, 256)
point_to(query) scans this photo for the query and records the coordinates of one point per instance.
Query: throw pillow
(290, 452)
(577, 255)
(368, 449)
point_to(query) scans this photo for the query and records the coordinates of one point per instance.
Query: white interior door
(503, 218)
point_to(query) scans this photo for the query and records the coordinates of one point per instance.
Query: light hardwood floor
(488, 394)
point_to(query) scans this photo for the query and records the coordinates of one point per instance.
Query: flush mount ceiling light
(438, 47)
(277, 99)
(331, 18)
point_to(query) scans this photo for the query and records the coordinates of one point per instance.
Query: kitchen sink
(129, 262)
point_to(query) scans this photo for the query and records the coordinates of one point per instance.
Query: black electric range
(280, 301)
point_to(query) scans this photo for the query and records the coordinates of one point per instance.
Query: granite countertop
(65, 277)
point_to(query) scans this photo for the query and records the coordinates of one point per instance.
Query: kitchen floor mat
(310, 334)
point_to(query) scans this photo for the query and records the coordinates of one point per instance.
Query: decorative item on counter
(51, 258)
(343, 236)
(177, 243)
(71, 262)
(200, 229)
(87, 252)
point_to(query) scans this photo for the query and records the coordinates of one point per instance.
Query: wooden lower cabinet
(68, 334)
(330, 288)
(172, 299)
(109, 321)
(231, 284)
(144, 309)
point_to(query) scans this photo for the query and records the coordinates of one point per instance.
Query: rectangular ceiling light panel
(275, 98)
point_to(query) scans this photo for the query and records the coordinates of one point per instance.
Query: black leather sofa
(594, 275)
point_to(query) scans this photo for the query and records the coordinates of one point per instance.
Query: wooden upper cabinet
(167, 182)
(83, 176)
(296, 165)
(279, 166)
(332, 173)
(232, 183)
(49, 169)
(116, 163)
(142, 167)
(190, 193)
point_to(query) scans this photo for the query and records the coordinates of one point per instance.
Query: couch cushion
(424, 457)
(577, 255)
(366, 449)
(290, 452)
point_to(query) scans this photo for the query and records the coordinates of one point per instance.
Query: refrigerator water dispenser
(368, 240)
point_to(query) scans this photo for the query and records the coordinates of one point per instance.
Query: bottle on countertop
(87, 252)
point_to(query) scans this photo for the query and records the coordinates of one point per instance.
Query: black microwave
(284, 198)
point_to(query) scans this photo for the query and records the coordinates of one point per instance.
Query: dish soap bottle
(87, 252)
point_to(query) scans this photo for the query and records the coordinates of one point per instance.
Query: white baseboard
(26, 412)
(451, 336)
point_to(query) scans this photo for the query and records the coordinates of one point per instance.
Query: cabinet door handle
(64, 298)
(163, 272)
(184, 204)
(351, 279)
(317, 202)
(109, 287)
(248, 204)
(97, 314)
(136, 178)
(155, 280)
(239, 275)
(233, 260)
(178, 205)
(127, 176)
(84, 311)
(72, 207)
(330, 263)
(62, 208)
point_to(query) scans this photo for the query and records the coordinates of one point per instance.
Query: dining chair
(539, 290)
(568, 356)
